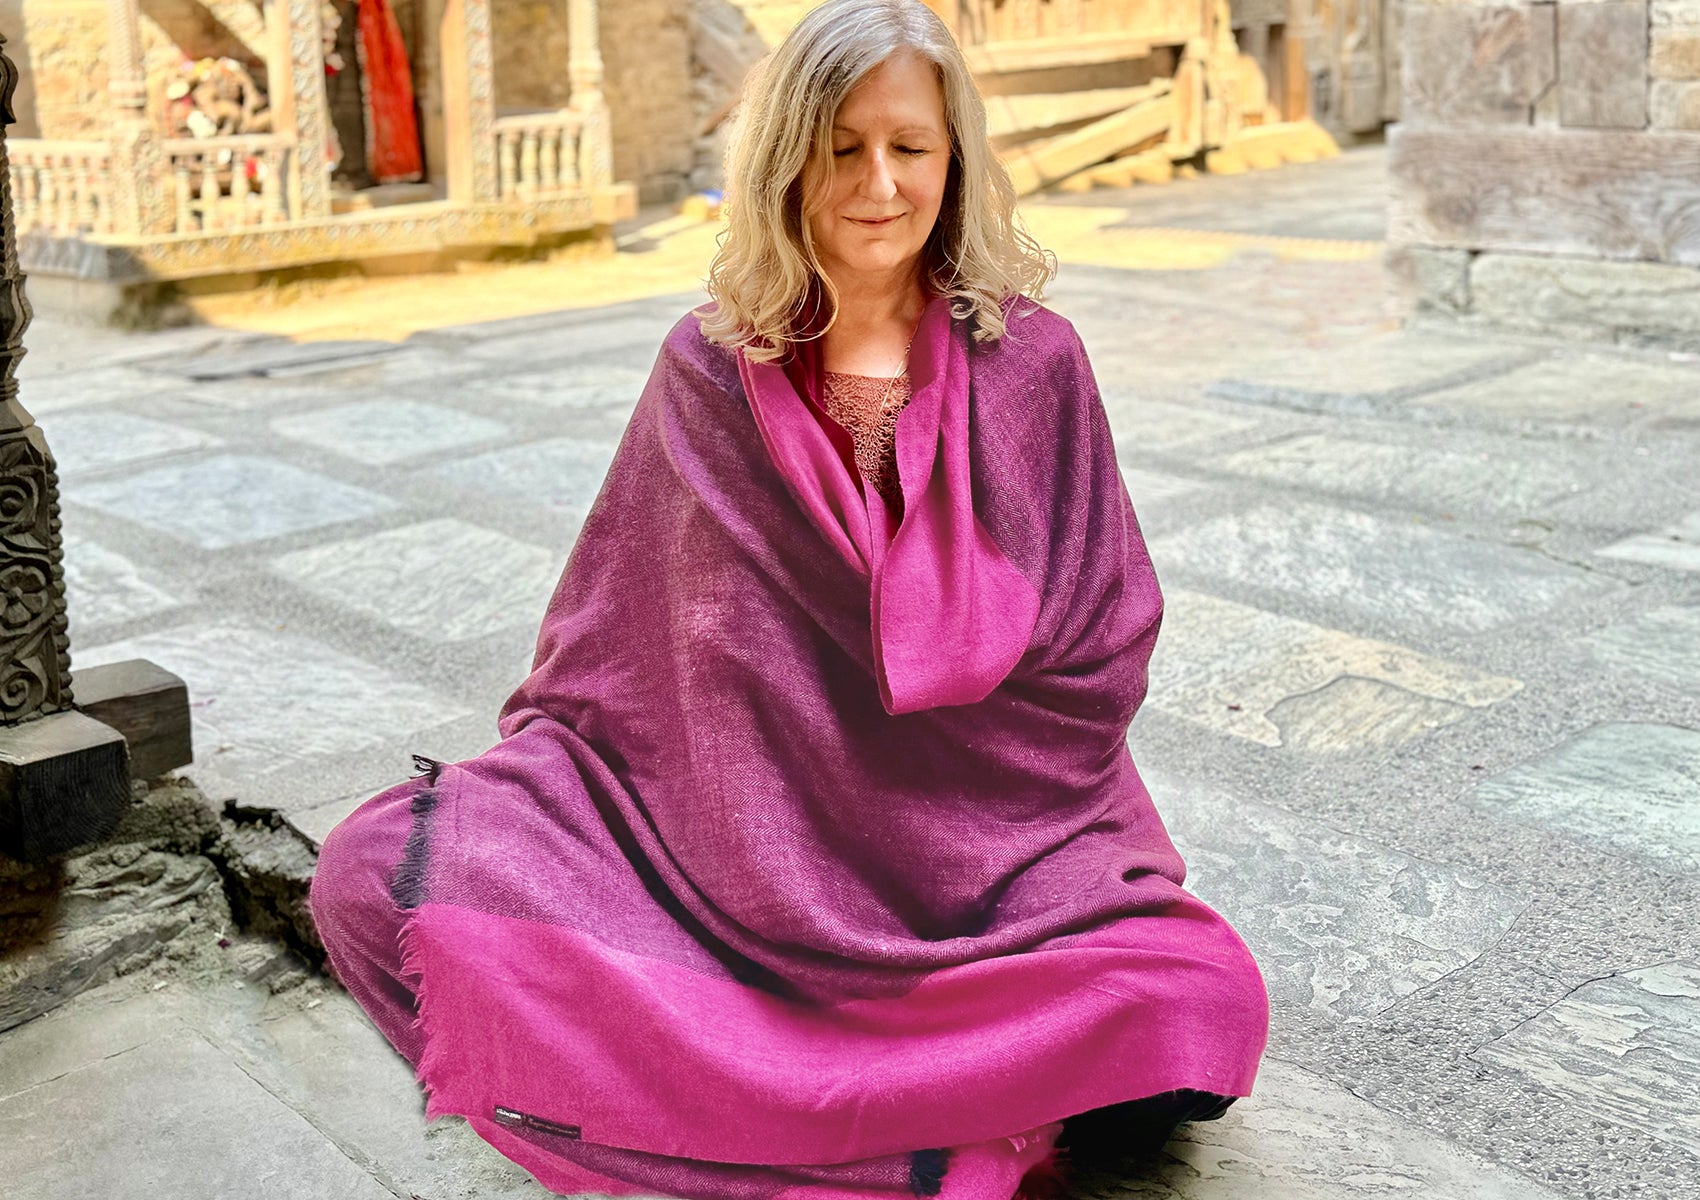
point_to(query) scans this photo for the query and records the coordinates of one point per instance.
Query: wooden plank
(1039, 54)
(147, 704)
(1010, 115)
(1602, 65)
(1547, 191)
(1035, 166)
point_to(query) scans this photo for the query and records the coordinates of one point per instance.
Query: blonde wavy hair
(767, 279)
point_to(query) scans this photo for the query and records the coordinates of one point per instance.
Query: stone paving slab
(43, 394)
(1303, 1138)
(563, 474)
(268, 359)
(1338, 923)
(1626, 1047)
(102, 586)
(381, 433)
(1275, 680)
(570, 385)
(1423, 476)
(1663, 644)
(1397, 574)
(1630, 788)
(1375, 372)
(1581, 387)
(171, 1117)
(443, 580)
(94, 440)
(231, 499)
(1155, 487)
(1676, 546)
(264, 701)
(1142, 425)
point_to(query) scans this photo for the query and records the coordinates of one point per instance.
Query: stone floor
(1425, 716)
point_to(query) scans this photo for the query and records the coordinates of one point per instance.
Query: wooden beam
(1040, 54)
(1595, 193)
(1036, 166)
(1010, 115)
(148, 705)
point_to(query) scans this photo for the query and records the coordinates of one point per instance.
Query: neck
(872, 299)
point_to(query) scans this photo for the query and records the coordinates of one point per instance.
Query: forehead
(902, 92)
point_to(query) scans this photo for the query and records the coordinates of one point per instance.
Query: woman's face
(891, 161)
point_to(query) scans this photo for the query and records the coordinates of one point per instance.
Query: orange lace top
(867, 408)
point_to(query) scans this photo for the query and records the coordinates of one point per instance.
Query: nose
(877, 181)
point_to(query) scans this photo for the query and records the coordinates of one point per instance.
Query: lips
(872, 222)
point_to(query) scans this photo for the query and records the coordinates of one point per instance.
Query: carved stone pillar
(64, 778)
(295, 83)
(137, 196)
(584, 71)
(469, 101)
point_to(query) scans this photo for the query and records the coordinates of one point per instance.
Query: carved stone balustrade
(537, 154)
(227, 183)
(63, 188)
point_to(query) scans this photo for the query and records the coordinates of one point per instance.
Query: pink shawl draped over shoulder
(812, 861)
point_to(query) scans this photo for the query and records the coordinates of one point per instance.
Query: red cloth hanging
(394, 132)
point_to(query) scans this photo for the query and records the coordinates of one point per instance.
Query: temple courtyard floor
(1424, 717)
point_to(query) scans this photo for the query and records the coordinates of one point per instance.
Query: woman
(812, 862)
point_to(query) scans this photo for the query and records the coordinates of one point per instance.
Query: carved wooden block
(1546, 191)
(1476, 66)
(64, 783)
(148, 705)
(1602, 65)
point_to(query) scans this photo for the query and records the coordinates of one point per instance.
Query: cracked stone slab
(1626, 1047)
(384, 432)
(572, 385)
(231, 499)
(1676, 546)
(1276, 681)
(1337, 922)
(563, 474)
(93, 441)
(1578, 388)
(1663, 644)
(170, 1117)
(442, 580)
(1417, 475)
(1630, 788)
(271, 359)
(263, 701)
(1393, 367)
(1402, 574)
(1301, 1137)
(104, 586)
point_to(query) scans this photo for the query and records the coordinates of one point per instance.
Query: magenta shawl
(812, 861)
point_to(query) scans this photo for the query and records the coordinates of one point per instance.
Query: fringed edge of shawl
(408, 890)
(927, 1170)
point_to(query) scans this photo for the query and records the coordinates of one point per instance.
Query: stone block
(1338, 923)
(1626, 788)
(1675, 54)
(1593, 388)
(1302, 1137)
(148, 705)
(443, 581)
(64, 783)
(1675, 104)
(1626, 1047)
(1645, 299)
(384, 432)
(563, 474)
(1276, 681)
(94, 441)
(1602, 65)
(1663, 644)
(1675, 546)
(102, 586)
(171, 1117)
(1431, 280)
(231, 499)
(1474, 65)
(1389, 574)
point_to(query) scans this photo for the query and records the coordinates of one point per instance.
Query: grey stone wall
(1547, 167)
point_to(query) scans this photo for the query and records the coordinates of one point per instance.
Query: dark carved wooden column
(64, 778)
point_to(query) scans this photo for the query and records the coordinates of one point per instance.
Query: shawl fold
(812, 860)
